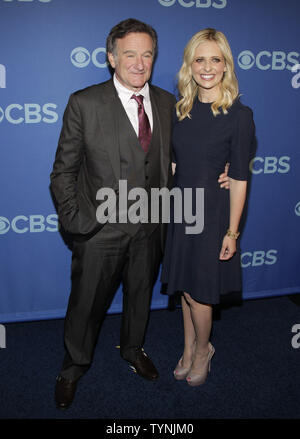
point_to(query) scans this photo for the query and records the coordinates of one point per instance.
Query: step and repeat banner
(50, 48)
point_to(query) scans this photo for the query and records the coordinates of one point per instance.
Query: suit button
(146, 162)
(147, 177)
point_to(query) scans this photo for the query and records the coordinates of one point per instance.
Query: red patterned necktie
(144, 125)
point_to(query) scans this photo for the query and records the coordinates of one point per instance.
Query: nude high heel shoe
(198, 378)
(180, 372)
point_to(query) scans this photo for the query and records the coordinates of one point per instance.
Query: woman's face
(208, 66)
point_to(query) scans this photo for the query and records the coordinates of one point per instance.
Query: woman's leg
(189, 334)
(201, 319)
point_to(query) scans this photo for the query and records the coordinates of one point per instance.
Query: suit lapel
(107, 106)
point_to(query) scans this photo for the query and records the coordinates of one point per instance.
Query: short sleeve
(242, 144)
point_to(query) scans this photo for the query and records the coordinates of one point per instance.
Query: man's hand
(223, 178)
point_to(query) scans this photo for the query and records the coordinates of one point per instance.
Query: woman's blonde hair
(188, 88)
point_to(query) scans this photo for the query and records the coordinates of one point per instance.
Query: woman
(212, 127)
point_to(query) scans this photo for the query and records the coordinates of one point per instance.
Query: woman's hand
(224, 179)
(228, 248)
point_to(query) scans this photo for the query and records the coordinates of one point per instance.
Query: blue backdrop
(50, 48)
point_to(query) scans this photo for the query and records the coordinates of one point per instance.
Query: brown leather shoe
(64, 392)
(143, 366)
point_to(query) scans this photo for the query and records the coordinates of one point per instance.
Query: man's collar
(125, 92)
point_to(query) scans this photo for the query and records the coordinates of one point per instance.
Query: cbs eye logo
(246, 59)
(4, 225)
(297, 209)
(81, 57)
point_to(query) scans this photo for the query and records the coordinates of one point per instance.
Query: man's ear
(111, 59)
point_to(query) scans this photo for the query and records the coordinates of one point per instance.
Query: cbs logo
(219, 4)
(270, 165)
(81, 57)
(258, 258)
(265, 60)
(29, 113)
(31, 224)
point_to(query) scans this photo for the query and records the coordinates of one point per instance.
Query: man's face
(133, 60)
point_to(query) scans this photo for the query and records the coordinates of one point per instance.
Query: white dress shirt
(131, 106)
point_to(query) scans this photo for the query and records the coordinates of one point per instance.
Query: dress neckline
(204, 103)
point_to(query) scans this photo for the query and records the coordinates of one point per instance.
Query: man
(110, 134)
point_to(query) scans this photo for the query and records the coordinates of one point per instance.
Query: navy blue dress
(201, 147)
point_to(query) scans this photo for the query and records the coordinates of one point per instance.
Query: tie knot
(138, 99)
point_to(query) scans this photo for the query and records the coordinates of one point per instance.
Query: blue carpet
(255, 371)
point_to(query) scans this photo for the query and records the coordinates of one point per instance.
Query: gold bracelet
(233, 234)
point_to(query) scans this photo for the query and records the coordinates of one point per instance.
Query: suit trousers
(98, 266)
